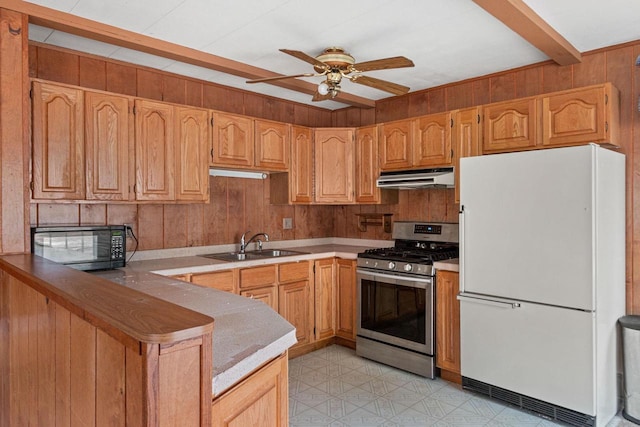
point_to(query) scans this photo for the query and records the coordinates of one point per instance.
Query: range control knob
(408, 267)
(392, 265)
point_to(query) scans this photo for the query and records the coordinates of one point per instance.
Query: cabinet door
(295, 305)
(301, 173)
(108, 146)
(367, 170)
(447, 321)
(259, 399)
(267, 295)
(58, 142)
(466, 139)
(155, 163)
(257, 277)
(325, 298)
(346, 298)
(222, 280)
(432, 141)
(395, 145)
(510, 126)
(334, 165)
(192, 154)
(232, 140)
(579, 116)
(272, 145)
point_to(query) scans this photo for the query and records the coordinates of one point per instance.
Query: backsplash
(238, 205)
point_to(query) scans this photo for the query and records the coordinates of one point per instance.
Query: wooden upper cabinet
(334, 165)
(432, 141)
(192, 139)
(395, 145)
(155, 162)
(511, 126)
(466, 139)
(590, 114)
(272, 141)
(108, 146)
(58, 142)
(301, 171)
(232, 141)
(367, 170)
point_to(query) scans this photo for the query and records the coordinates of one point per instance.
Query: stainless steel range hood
(421, 178)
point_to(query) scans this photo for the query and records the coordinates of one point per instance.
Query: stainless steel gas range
(396, 296)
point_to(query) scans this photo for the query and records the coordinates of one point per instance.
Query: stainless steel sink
(270, 253)
(253, 255)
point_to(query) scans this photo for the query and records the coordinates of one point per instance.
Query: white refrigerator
(542, 279)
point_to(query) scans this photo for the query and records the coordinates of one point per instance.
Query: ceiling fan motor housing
(335, 57)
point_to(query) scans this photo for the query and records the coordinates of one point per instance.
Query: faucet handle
(259, 242)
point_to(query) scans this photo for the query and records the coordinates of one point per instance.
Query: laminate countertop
(247, 332)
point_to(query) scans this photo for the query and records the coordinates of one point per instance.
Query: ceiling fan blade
(306, 58)
(393, 88)
(383, 64)
(269, 79)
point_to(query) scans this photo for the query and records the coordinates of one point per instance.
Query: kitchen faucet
(244, 244)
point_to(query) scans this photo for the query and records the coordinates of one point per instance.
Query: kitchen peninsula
(141, 343)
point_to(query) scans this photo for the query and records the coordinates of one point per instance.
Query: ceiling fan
(335, 63)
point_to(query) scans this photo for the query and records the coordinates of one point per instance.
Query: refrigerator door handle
(488, 301)
(461, 247)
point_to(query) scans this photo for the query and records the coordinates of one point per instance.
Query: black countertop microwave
(85, 248)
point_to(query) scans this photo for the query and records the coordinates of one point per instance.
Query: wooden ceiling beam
(94, 30)
(516, 15)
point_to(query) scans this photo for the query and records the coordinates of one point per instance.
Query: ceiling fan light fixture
(323, 88)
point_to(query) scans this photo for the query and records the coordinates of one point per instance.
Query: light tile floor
(334, 387)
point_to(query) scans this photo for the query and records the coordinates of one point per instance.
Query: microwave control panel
(117, 245)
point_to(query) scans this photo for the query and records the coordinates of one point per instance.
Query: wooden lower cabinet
(268, 295)
(448, 325)
(346, 299)
(295, 305)
(261, 399)
(325, 296)
(226, 280)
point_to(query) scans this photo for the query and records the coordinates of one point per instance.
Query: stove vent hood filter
(422, 178)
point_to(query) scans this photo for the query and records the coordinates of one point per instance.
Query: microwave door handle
(488, 301)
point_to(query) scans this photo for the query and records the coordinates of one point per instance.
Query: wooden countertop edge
(114, 308)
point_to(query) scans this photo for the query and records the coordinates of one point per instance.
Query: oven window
(393, 310)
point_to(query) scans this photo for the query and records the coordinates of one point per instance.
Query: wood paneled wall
(614, 64)
(235, 200)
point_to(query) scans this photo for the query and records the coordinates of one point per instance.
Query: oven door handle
(397, 279)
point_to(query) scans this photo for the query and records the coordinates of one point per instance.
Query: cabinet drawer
(222, 280)
(293, 271)
(268, 295)
(257, 277)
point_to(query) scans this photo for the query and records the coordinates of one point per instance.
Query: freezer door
(539, 351)
(527, 228)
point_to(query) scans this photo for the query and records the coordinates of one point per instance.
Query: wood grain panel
(254, 210)
(459, 95)
(502, 87)
(179, 385)
(150, 227)
(110, 381)
(592, 70)
(83, 372)
(193, 93)
(52, 214)
(33, 61)
(481, 91)
(93, 214)
(58, 66)
(437, 100)
(528, 81)
(215, 213)
(195, 225)
(175, 226)
(14, 133)
(217, 97)
(134, 397)
(235, 209)
(121, 78)
(419, 104)
(148, 84)
(556, 78)
(174, 89)
(63, 366)
(92, 73)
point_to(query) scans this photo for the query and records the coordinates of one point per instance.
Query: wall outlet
(287, 223)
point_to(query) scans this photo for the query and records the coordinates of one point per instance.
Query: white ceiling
(448, 40)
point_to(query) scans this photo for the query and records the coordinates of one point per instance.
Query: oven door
(396, 310)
